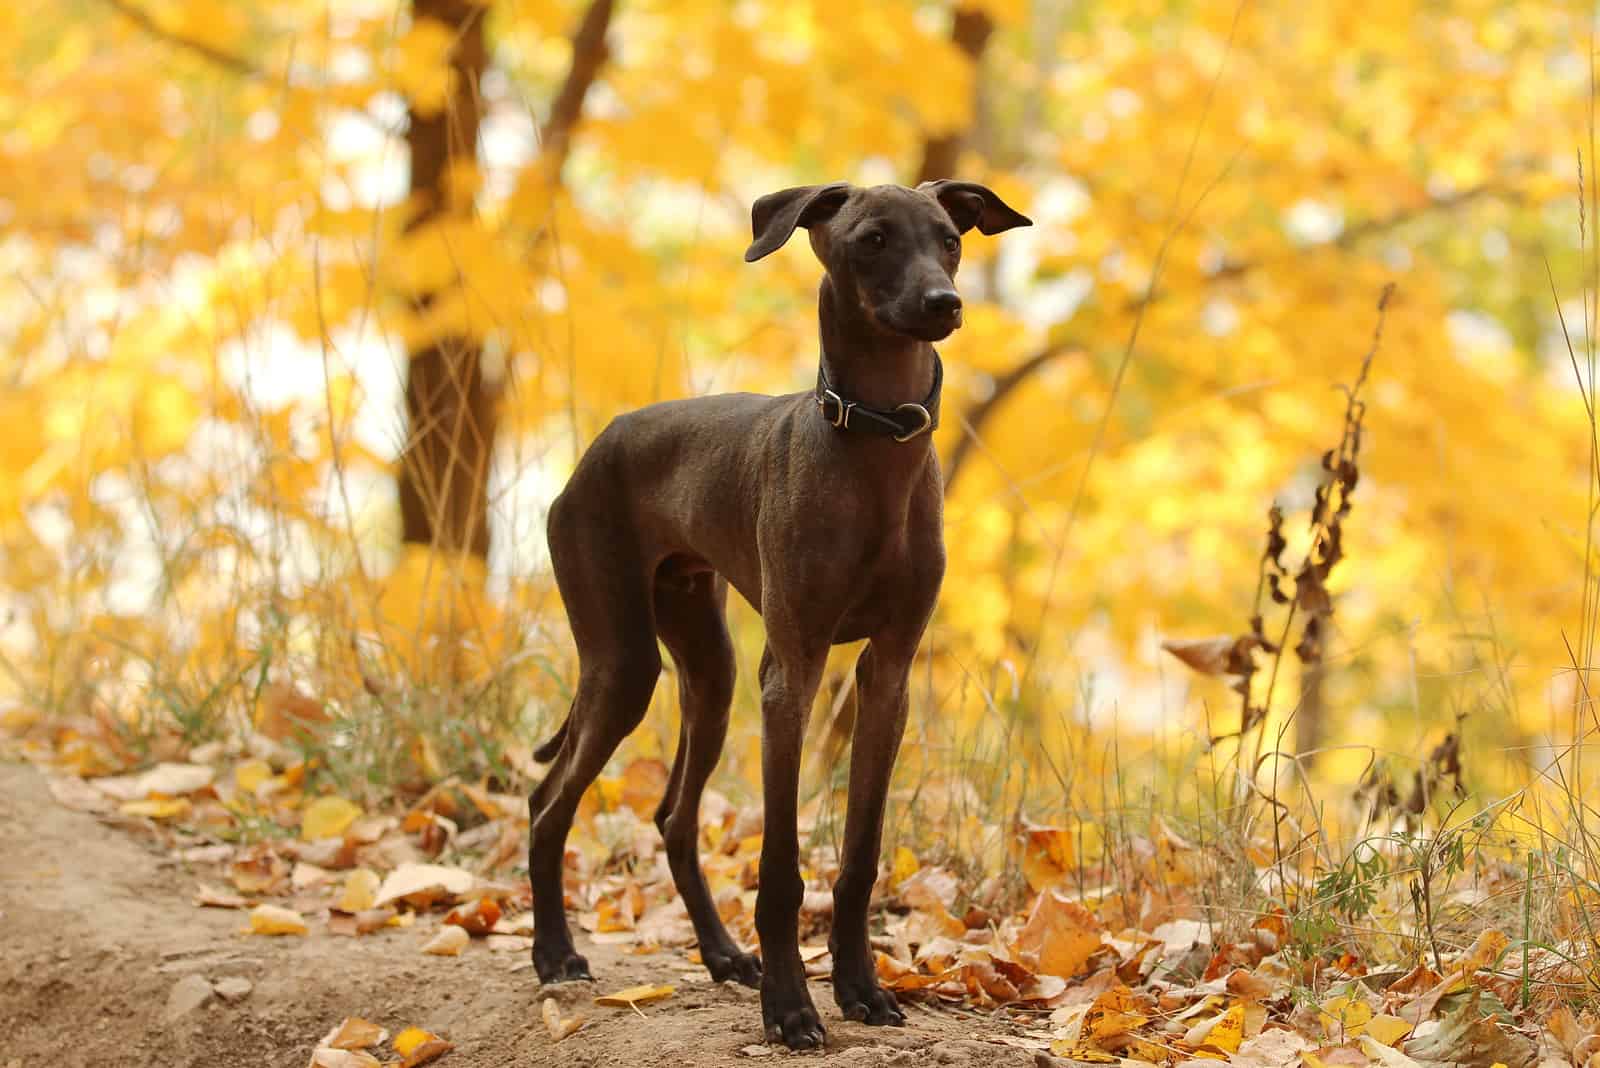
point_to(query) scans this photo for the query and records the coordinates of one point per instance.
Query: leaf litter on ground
(1085, 973)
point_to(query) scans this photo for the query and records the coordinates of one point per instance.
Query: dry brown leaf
(1061, 934)
(929, 888)
(328, 1057)
(421, 885)
(559, 1028)
(430, 1050)
(1470, 1035)
(354, 1033)
(259, 870)
(208, 896)
(1214, 656)
(449, 942)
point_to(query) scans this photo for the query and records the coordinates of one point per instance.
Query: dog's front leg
(789, 680)
(882, 674)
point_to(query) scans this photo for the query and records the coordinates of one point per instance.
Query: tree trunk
(450, 412)
(941, 155)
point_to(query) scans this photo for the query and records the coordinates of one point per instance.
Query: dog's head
(894, 250)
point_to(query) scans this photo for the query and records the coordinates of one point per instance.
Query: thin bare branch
(227, 60)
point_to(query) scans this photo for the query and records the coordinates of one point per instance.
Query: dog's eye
(874, 240)
(952, 244)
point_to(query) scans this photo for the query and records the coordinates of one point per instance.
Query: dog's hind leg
(690, 621)
(608, 603)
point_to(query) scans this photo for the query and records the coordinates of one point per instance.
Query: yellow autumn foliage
(212, 274)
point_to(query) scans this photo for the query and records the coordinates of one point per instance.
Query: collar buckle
(927, 421)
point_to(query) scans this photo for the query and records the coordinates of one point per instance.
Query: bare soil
(98, 926)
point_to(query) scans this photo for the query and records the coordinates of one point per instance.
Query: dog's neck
(866, 363)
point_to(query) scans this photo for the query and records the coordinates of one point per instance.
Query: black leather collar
(903, 422)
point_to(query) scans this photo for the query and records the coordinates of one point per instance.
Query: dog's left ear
(970, 204)
(774, 216)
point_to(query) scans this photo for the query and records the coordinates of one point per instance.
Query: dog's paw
(871, 1005)
(742, 968)
(800, 1029)
(562, 966)
(791, 1019)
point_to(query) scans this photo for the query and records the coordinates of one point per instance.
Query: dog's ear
(774, 216)
(970, 204)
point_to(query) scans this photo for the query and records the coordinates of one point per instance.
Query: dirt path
(97, 929)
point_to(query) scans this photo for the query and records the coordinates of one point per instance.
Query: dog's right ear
(774, 216)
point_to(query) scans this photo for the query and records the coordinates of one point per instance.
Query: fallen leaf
(1061, 934)
(354, 1033)
(250, 774)
(553, 1022)
(327, 1057)
(1470, 1035)
(411, 1039)
(449, 942)
(360, 891)
(1271, 1049)
(307, 876)
(421, 885)
(258, 870)
(430, 1050)
(1387, 1029)
(930, 888)
(635, 995)
(158, 808)
(208, 896)
(1382, 1054)
(476, 917)
(1224, 1032)
(644, 780)
(327, 817)
(275, 920)
(1345, 1017)
(1484, 952)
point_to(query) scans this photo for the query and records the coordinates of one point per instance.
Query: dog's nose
(943, 302)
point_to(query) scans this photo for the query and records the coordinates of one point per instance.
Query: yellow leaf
(249, 775)
(409, 1039)
(327, 817)
(1345, 1017)
(1225, 1032)
(1485, 951)
(360, 891)
(635, 995)
(274, 920)
(905, 866)
(158, 808)
(1388, 1029)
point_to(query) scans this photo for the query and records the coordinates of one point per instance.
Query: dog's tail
(547, 752)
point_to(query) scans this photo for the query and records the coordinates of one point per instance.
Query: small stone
(188, 994)
(756, 1051)
(233, 988)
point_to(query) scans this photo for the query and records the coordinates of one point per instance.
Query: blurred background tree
(309, 307)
